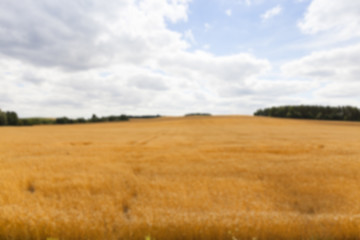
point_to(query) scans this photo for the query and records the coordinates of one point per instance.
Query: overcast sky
(171, 57)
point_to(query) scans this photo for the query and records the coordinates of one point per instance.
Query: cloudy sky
(171, 57)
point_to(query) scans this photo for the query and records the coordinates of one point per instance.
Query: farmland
(223, 177)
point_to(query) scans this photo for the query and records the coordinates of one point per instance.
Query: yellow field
(181, 178)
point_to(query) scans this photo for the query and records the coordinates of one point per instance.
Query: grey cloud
(5, 98)
(282, 88)
(266, 88)
(336, 90)
(148, 66)
(227, 68)
(235, 91)
(45, 33)
(339, 64)
(148, 83)
(62, 102)
(96, 90)
(129, 98)
(81, 34)
(29, 77)
(321, 73)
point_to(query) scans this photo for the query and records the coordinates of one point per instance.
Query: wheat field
(224, 177)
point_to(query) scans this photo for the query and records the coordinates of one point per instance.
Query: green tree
(3, 118)
(347, 113)
(12, 118)
(94, 118)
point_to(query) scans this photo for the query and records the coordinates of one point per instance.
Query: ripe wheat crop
(181, 178)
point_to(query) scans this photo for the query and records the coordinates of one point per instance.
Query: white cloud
(271, 13)
(76, 58)
(338, 91)
(247, 2)
(79, 35)
(148, 82)
(188, 35)
(206, 46)
(266, 88)
(202, 65)
(207, 27)
(336, 71)
(228, 12)
(340, 64)
(342, 18)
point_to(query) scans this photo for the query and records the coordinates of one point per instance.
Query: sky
(171, 57)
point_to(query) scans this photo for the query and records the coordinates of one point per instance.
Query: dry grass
(182, 178)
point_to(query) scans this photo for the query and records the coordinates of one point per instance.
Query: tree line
(93, 119)
(8, 118)
(340, 113)
(11, 118)
(197, 114)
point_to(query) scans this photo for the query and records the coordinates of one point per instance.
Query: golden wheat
(181, 178)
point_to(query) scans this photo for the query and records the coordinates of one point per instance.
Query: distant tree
(24, 122)
(123, 117)
(138, 116)
(347, 113)
(80, 120)
(94, 118)
(3, 118)
(64, 120)
(197, 114)
(12, 118)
